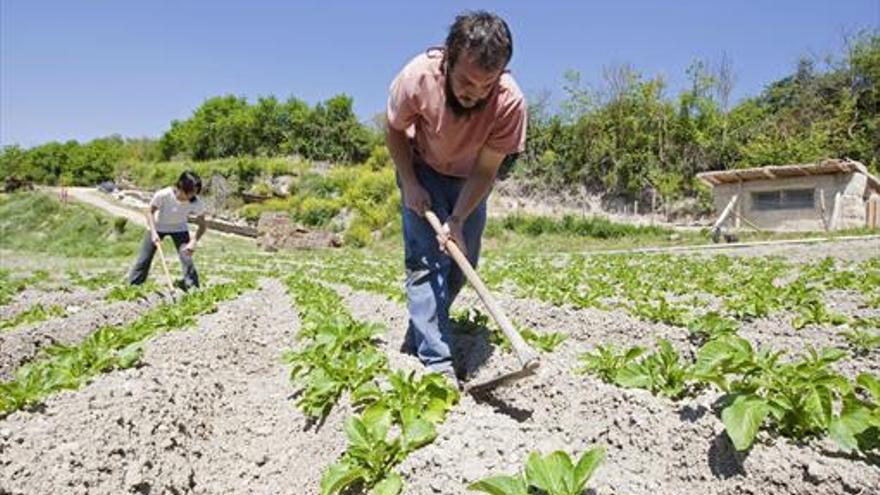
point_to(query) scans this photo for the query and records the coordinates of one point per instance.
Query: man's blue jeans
(432, 278)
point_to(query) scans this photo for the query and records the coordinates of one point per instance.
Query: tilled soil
(71, 299)
(21, 344)
(654, 445)
(209, 411)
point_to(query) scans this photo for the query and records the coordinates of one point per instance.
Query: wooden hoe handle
(528, 358)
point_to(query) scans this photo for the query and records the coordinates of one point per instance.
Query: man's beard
(457, 108)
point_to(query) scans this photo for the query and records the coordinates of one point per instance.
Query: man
(454, 114)
(167, 215)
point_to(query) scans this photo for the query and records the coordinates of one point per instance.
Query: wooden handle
(528, 358)
(165, 267)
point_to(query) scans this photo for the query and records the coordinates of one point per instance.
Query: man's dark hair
(189, 182)
(484, 36)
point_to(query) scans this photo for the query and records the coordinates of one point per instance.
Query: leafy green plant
(554, 474)
(371, 453)
(546, 341)
(10, 286)
(97, 281)
(857, 427)
(34, 314)
(431, 395)
(131, 292)
(796, 397)
(606, 362)
(661, 372)
(62, 367)
(756, 300)
(711, 325)
(861, 341)
(325, 373)
(339, 355)
(473, 321)
(815, 313)
(660, 311)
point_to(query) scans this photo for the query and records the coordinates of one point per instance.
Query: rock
(281, 184)
(276, 231)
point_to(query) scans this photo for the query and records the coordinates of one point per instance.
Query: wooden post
(636, 207)
(736, 220)
(835, 211)
(725, 212)
(822, 211)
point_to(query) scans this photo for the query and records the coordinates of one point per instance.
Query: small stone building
(830, 195)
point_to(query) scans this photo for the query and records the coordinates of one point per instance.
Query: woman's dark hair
(484, 36)
(189, 182)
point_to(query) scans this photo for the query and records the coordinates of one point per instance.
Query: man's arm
(474, 190)
(415, 197)
(478, 183)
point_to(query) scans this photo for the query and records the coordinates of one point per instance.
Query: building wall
(843, 193)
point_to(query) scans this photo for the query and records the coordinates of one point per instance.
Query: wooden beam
(726, 212)
(768, 173)
(835, 212)
(822, 212)
(803, 170)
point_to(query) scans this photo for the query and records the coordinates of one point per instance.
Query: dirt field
(209, 408)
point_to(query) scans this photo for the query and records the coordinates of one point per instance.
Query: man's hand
(189, 248)
(154, 236)
(452, 231)
(416, 198)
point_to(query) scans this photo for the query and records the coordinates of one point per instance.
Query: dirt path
(99, 200)
(209, 412)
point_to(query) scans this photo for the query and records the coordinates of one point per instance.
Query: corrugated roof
(771, 172)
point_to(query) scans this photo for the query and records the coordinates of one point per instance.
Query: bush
(358, 235)
(252, 212)
(317, 212)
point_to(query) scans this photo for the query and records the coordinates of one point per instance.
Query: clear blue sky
(89, 68)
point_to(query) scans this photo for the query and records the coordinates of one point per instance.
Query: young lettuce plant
(710, 326)
(797, 398)
(606, 362)
(371, 454)
(34, 314)
(661, 372)
(815, 313)
(861, 341)
(546, 342)
(857, 427)
(431, 395)
(554, 474)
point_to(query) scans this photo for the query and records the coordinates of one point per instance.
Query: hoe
(528, 358)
